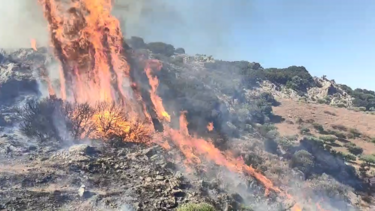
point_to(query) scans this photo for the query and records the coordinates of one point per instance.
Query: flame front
(88, 44)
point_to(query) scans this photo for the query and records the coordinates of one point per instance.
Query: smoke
(21, 21)
(198, 26)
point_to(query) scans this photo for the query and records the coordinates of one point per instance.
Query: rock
(159, 177)
(149, 152)
(82, 149)
(82, 192)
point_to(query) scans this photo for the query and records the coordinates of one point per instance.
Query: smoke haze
(21, 21)
(199, 27)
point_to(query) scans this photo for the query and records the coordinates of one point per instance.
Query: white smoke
(21, 21)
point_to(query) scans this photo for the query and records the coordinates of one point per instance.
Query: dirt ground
(327, 116)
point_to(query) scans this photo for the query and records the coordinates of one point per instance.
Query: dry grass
(322, 114)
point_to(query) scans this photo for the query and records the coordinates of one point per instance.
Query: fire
(196, 148)
(210, 126)
(154, 83)
(88, 43)
(33, 44)
(296, 207)
(87, 40)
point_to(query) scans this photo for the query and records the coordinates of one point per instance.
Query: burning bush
(51, 118)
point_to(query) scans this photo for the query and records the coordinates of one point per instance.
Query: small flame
(210, 126)
(33, 44)
(296, 207)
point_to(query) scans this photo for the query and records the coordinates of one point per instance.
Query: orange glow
(88, 43)
(210, 126)
(196, 148)
(296, 207)
(154, 83)
(33, 44)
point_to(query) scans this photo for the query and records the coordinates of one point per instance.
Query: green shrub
(328, 138)
(349, 157)
(287, 143)
(363, 98)
(336, 133)
(322, 101)
(304, 130)
(196, 207)
(303, 161)
(339, 127)
(354, 148)
(341, 105)
(354, 133)
(315, 141)
(318, 127)
(369, 159)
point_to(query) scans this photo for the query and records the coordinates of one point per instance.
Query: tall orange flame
(88, 43)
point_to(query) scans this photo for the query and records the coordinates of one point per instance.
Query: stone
(82, 192)
(159, 177)
(82, 149)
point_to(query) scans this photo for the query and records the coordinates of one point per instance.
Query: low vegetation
(328, 138)
(353, 148)
(303, 160)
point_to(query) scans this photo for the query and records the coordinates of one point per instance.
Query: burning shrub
(44, 120)
(114, 122)
(303, 161)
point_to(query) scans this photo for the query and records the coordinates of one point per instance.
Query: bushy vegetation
(39, 119)
(339, 127)
(349, 157)
(368, 159)
(327, 186)
(338, 134)
(196, 207)
(294, 77)
(318, 127)
(328, 138)
(303, 161)
(161, 48)
(362, 97)
(354, 133)
(354, 148)
(304, 130)
(53, 119)
(256, 110)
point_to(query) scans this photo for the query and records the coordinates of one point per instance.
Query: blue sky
(329, 37)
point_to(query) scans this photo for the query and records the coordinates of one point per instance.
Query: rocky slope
(120, 176)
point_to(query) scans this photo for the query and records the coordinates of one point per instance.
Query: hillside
(294, 129)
